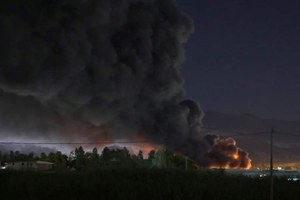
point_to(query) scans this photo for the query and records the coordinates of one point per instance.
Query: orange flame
(225, 154)
(235, 156)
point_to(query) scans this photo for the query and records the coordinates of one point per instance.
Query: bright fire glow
(134, 148)
(235, 156)
(145, 148)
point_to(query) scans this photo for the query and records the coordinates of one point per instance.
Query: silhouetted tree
(30, 156)
(51, 157)
(2, 161)
(106, 154)
(71, 161)
(80, 158)
(151, 155)
(43, 156)
(11, 156)
(140, 155)
(60, 161)
(94, 158)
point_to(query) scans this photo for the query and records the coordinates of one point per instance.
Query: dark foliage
(110, 158)
(141, 184)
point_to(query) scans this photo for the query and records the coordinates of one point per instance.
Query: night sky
(244, 56)
(128, 70)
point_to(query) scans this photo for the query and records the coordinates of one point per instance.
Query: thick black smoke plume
(97, 69)
(224, 153)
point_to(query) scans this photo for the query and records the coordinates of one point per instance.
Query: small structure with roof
(30, 165)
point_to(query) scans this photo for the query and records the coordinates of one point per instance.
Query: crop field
(141, 184)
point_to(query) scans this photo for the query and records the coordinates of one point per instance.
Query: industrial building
(30, 165)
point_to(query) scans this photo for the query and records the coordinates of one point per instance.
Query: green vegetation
(140, 184)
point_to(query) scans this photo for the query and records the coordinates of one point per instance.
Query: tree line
(79, 159)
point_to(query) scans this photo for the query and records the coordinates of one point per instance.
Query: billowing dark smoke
(224, 153)
(97, 69)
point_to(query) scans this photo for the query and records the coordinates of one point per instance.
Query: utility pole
(186, 163)
(271, 166)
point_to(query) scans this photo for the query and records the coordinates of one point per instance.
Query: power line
(109, 142)
(245, 134)
(72, 143)
(286, 133)
(238, 134)
(227, 130)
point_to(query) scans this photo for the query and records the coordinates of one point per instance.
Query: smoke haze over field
(97, 69)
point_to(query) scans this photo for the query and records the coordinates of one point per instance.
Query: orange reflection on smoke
(227, 155)
(145, 148)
